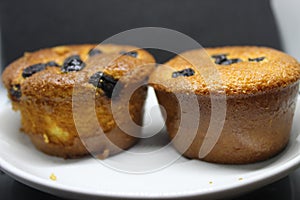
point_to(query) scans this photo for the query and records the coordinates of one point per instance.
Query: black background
(28, 25)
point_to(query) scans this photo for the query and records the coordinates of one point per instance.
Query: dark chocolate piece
(103, 81)
(94, 51)
(52, 64)
(256, 59)
(130, 53)
(185, 72)
(73, 63)
(15, 92)
(29, 71)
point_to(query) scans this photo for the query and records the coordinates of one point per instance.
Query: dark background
(28, 25)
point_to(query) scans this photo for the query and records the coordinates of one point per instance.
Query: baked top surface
(54, 82)
(233, 69)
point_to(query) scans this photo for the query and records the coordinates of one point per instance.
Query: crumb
(53, 177)
(210, 182)
(240, 179)
(46, 139)
(103, 155)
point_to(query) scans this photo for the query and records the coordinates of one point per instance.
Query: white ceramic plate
(82, 178)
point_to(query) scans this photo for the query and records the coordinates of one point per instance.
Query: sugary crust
(246, 77)
(49, 98)
(53, 83)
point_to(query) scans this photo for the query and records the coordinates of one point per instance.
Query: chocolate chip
(29, 71)
(221, 59)
(230, 61)
(52, 64)
(185, 72)
(130, 53)
(73, 63)
(15, 92)
(256, 59)
(94, 51)
(104, 81)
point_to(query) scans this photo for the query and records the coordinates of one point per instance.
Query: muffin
(259, 86)
(47, 85)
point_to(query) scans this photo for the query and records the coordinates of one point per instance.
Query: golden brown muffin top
(240, 70)
(52, 72)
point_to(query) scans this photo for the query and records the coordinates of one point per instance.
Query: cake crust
(47, 97)
(277, 69)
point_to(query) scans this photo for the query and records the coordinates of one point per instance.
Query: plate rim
(246, 185)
